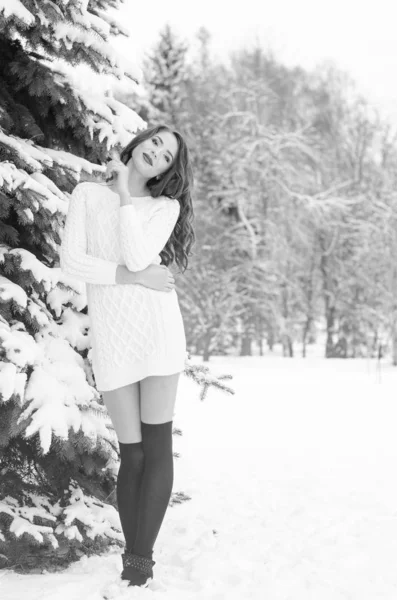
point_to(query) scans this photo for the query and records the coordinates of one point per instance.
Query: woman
(114, 239)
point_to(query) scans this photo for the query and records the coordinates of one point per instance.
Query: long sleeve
(141, 243)
(73, 256)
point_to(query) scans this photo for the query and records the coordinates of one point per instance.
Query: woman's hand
(120, 175)
(156, 277)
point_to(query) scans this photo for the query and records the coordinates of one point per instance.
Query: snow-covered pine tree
(57, 450)
(165, 77)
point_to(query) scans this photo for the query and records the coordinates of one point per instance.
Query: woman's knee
(157, 441)
(132, 457)
(123, 406)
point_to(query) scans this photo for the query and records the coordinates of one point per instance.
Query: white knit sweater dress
(135, 331)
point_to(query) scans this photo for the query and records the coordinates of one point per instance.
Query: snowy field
(293, 486)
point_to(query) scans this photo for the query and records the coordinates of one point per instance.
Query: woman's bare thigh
(123, 406)
(158, 396)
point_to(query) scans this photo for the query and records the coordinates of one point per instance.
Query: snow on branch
(79, 516)
(201, 374)
(72, 35)
(112, 119)
(36, 159)
(323, 201)
(66, 29)
(115, 27)
(14, 9)
(74, 164)
(45, 196)
(17, 145)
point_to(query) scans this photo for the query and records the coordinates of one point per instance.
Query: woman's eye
(155, 141)
(167, 158)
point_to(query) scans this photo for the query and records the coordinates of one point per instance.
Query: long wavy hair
(177, 183)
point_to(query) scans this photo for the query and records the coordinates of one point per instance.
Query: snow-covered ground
(294, 492)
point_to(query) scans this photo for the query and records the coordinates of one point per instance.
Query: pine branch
(202, 375)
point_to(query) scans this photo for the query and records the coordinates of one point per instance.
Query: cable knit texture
(136, 331)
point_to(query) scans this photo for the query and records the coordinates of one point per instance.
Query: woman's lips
(148, 159)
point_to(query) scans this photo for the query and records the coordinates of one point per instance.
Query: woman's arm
(141, 243)
(74, 259)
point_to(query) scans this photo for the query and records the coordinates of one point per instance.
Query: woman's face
(155, 155)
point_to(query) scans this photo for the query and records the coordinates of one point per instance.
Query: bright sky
(358, 35)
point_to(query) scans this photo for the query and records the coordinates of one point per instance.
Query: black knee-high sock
(156, 486)
(128, 488)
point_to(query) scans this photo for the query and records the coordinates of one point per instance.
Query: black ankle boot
(137, 569)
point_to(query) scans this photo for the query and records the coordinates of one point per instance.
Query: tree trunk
(309, 291)
(288, 348)
(270, 338)
(393, 308)
(306, 330)
(206, 346)
(286, 339)
(330, 319)
(394, 340)
(329, 300)
(259, 333)
(246, 345)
